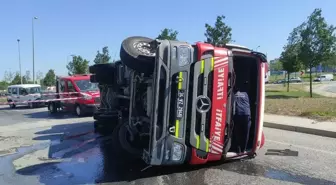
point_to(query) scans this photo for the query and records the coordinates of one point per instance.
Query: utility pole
(33, 49)
(18, 40)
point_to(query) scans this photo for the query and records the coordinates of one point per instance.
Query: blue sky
(81, 27)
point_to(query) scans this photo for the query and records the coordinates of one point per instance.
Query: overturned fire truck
(171, 103)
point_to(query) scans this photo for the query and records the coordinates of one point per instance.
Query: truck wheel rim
(124, 135)
(78, 110)
(144, 48)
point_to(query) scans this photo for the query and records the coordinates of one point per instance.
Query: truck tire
(52, 108)
(31, 105)
(103, 127)
(12, 106)
(79, 111)
(93, 79)
(122, 145)
(103, 73)
(98, 68)
(137, 54)
(99, 127)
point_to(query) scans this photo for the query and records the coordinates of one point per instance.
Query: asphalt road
(66, 151)
(331, 87)
(23, 114)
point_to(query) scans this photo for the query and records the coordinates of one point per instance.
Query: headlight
(183, 55)
(86, 97)
(177, 152)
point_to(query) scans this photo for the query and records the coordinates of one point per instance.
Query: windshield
(33, 90)
(86, 85)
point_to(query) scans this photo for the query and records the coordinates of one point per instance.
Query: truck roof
(75, 77)
(231, 45)
(25, 85)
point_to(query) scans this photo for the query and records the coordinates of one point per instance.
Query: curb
(305, 130)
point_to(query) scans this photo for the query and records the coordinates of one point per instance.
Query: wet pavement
(64, 154)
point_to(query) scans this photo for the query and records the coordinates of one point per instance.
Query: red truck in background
(85, 94)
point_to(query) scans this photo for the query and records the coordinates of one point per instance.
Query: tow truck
(171, 102)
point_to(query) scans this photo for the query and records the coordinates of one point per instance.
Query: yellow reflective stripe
(177, 127)
(207, 145)
(212, 63)
(179, 86)
(202, 66)
(197, 141)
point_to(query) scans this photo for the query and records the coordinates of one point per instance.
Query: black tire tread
(103, 73)
(133, 59)
(120, 151)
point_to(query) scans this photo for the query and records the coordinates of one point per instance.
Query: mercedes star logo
(203, 104)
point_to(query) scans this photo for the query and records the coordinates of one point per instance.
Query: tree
(17, 79)
(27, 76)
(8, 76)
(220, 34)
(78, 65)
(331, 62)
(102, 58)
(290, 60)
(276, 65)
(317, 42)
(50, 78)
(168, 34)
(3, 85)
(290, 57)
(39, 77)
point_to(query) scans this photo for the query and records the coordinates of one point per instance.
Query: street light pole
(33, 48)
(69, 56)
(257, 48)
(18, 40)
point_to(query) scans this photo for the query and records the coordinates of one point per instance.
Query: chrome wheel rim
(144, 48)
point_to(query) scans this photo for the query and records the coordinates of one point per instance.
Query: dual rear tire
(136, 53)
(124, 144)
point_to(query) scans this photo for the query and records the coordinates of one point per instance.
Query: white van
(20, 94)
(324, 77)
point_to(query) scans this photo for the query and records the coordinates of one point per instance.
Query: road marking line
(299, 146)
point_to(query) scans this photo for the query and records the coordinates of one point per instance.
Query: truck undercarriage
(172, 103)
